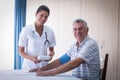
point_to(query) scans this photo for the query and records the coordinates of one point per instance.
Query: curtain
(19, 22)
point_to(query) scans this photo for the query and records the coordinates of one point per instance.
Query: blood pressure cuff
(64, 59)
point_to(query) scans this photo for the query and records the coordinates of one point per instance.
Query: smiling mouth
(79, 35)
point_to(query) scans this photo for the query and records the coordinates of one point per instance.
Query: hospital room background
(103, 17)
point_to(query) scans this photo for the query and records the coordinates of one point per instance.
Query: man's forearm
(51, 65)
(68, 66)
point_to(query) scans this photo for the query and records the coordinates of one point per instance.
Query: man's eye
(41, 15)
(74, 29)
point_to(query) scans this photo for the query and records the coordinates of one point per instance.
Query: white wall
(6, 34)
(118, 56)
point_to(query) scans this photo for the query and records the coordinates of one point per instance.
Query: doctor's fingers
(35, 60)
(32, 70)
(51, 58)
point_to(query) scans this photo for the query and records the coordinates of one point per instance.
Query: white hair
(81, 21)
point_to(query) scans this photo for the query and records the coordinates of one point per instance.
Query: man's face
(80, 31)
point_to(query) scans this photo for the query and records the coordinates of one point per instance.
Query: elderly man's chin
(78, 38)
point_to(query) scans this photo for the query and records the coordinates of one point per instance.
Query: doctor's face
(80, 31)
(41, 17)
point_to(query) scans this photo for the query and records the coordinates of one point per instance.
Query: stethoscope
(46, 41)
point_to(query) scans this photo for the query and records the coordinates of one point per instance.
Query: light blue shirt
(89, 52)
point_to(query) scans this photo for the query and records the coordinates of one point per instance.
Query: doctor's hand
(51, 54)
(35, 70)
(35, 60)
(49, 59)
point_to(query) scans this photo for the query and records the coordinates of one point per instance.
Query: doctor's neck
(38, 25)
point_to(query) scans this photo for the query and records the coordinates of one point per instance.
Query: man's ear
(87, 30)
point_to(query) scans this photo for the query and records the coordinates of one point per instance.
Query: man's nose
(77, 31)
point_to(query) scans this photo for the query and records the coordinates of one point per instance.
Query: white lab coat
(35, 44)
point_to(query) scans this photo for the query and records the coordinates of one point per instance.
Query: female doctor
(36, 39)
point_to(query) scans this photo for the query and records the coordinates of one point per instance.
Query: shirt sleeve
(23, 38)
(70, 50)
(52, 38)
(89, 51)
(64, 59)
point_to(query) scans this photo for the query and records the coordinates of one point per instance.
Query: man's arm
(68, 66)
(62, 60)
(63, 68)
(52, 65)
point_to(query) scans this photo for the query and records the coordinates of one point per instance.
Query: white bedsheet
(24, 75)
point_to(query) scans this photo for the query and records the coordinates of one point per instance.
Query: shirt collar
(33, 27)
(86, 37)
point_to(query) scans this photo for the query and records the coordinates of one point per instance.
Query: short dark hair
(43, 7)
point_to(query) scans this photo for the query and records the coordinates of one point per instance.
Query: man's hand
(45, 73)
(35, 70)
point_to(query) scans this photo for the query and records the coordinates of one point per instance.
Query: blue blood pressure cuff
(63, 59)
